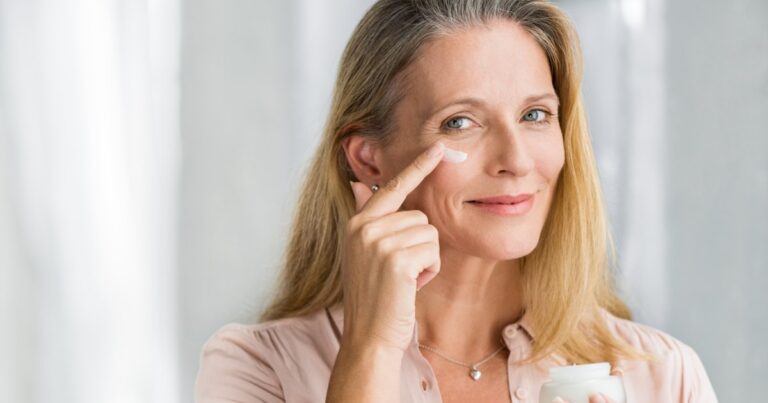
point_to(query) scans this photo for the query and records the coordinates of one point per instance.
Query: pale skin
(419, 233)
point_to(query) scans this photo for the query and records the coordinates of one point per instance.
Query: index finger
(392, 195)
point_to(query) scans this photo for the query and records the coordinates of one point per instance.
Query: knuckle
(384, 244)
(394, 184)
(436, 249)
(368, 232)
(421, 216)
(353, 223)
(419, 164)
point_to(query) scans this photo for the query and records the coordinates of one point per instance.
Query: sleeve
(234, 368)
(696, 385)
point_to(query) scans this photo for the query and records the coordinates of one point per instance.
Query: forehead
(500, 62)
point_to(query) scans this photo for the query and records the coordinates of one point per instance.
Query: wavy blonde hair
(566, 279)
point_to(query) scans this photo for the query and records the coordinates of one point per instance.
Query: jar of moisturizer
(575, 383)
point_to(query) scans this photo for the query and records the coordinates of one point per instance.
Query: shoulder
(676, 364)
(643, 337)
(260, 361)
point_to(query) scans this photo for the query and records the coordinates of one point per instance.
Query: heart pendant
(475, 373)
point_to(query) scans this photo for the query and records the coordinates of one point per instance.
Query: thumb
(362, 194)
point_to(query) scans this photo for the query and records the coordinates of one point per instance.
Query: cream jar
(576, 383)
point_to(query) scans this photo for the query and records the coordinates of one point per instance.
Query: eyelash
(547, 119)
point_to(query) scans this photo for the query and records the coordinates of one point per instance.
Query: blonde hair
(566, 279)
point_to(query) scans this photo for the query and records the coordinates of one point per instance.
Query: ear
(361, 155)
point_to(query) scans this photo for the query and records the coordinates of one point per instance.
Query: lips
(504, 199)
(505, 205)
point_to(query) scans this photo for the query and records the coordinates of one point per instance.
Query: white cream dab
(452, 155)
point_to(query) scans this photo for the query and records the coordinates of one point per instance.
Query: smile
(505, 205)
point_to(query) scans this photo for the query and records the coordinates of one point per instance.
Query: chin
(505, 249)
(515, 251)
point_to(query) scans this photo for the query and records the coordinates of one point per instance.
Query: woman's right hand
(388, 255)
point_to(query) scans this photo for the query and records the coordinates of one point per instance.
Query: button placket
(521, 393)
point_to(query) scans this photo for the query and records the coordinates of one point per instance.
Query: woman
(450, 242)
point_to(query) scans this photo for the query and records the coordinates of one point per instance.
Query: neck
(463, 310)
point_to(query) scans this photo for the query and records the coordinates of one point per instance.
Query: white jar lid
(578, 373)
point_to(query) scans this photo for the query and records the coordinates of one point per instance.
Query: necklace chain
(464, 364)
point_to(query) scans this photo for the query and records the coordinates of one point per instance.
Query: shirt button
(424, 384)
(510, 331)
(521, 393)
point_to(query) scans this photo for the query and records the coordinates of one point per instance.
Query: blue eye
(536, 115)
(456, 123)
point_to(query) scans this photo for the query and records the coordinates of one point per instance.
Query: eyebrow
(479, 102)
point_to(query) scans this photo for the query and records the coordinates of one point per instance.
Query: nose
(511, 153)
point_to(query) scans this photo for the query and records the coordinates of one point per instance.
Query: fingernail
(452, 155)
(436, 149)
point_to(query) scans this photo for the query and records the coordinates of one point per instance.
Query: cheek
(550, 157)
(449, 178)
(441, 190)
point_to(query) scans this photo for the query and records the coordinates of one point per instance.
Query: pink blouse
(290, 360)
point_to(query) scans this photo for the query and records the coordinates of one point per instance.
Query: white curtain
(89, 152)
(624, 83)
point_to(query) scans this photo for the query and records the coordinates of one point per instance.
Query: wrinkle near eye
(431, 127)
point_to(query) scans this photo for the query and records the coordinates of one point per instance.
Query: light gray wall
(236, 165)
(678, 108)
(717, 130)
(256, 84)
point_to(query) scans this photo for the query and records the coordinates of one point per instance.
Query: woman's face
(486, 91)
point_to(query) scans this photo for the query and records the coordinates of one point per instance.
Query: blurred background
(151, 154)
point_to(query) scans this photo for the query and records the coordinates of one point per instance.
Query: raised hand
(388, 255)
